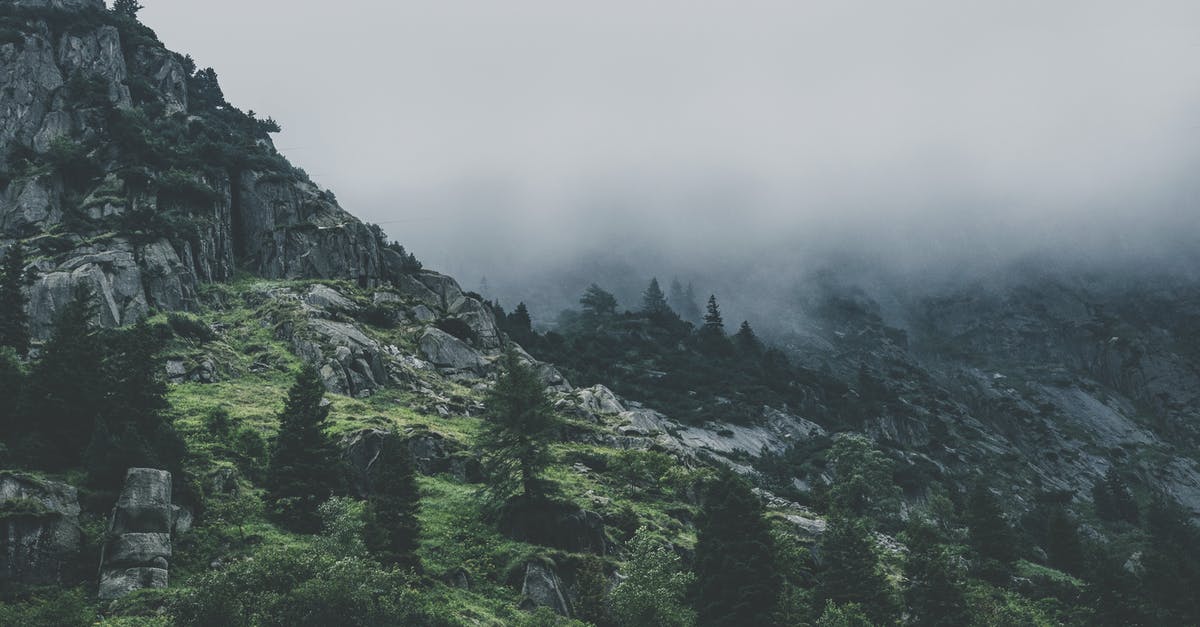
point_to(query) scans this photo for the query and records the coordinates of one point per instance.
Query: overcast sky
(488, 135)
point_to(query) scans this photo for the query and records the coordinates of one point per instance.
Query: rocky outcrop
(448, 352)
(541, 587)
(139, 549)
(39, 529)
(432, 454)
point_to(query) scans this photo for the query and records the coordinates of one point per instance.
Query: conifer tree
(66, 385)
(12, 385)
(14, 320)
(127, 8)
(303, 471)
(934, 590)
(1171, 563)
(852, 572)
(746, 341)
(392, 530)
(654, 302)
(1063, 545)
(519, 324)
(518, 433)
(737, 580)
(132, 427)
(597, 302)
(989, 533)
(713, 323)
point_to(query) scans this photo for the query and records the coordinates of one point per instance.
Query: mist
(544, 145)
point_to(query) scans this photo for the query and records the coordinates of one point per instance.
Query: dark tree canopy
(934, 590)
(654, 302)
(392, 531)
(516, 439)
(990, 534)
(14, 319)
(127, 8)
(66, 386)
(1113, 500)
(304, 470)
(852, 572)
(713, 323)
(737, 579)
(597, 302)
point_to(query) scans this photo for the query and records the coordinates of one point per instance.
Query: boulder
(139, 546)
(328, 299)
(446, 351)
(39, 528)
(432, 454)
(542, 588)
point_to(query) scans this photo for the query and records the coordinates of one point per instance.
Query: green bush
(186, 326)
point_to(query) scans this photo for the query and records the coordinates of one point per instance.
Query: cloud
(504, 138)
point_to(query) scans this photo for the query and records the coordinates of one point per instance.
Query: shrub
(188, 327)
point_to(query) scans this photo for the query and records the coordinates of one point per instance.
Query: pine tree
(303, 471)
(66, 386)
(518, 433)
(12, 385)
(990, 534)
(737, 580)
(14, 319)
(1171, 562)
(713, 323)
(127, 8)
(852, 572)
(654, 303)
(746, 341)
(1063, 545)
(690, 310)
(132, 428)
(934, 590)
(519, 325)
(597, 302)
(392, 530)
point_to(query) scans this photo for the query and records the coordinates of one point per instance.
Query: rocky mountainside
(1045, 379)
(124, 169)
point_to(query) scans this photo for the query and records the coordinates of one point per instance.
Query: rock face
(448, 352)
(39, 529)
(66, 85)
(138, 553)
(432, 454)
(542, 588)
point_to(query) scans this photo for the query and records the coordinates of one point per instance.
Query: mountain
(981, 448)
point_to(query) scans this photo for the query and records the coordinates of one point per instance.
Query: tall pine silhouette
(14, 320)
(392, 531)
(303, 471)
(737, 581)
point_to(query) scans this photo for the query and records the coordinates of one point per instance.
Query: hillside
(1013, 455)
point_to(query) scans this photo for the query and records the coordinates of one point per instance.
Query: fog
(545, 144)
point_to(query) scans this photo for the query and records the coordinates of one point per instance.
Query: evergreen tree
(597, 302)
(683, 302)
(737, 580)
(713, 323)
(1063, 545)
(12, 384)
(863, 486)
(654, 587)
(14, 320)
(746, 341)
(132, 427)
(1172, 563)
(303, 471)
(654, 302)
(66, 385)
(519, 324)
(392, 530)
(989, 533)
(851, 572)
(934, 590)
(127, 8)
(519, 430)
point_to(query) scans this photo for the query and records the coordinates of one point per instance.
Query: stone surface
(139, 546)
(446, 351)
(541, 587)
(39, 529)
